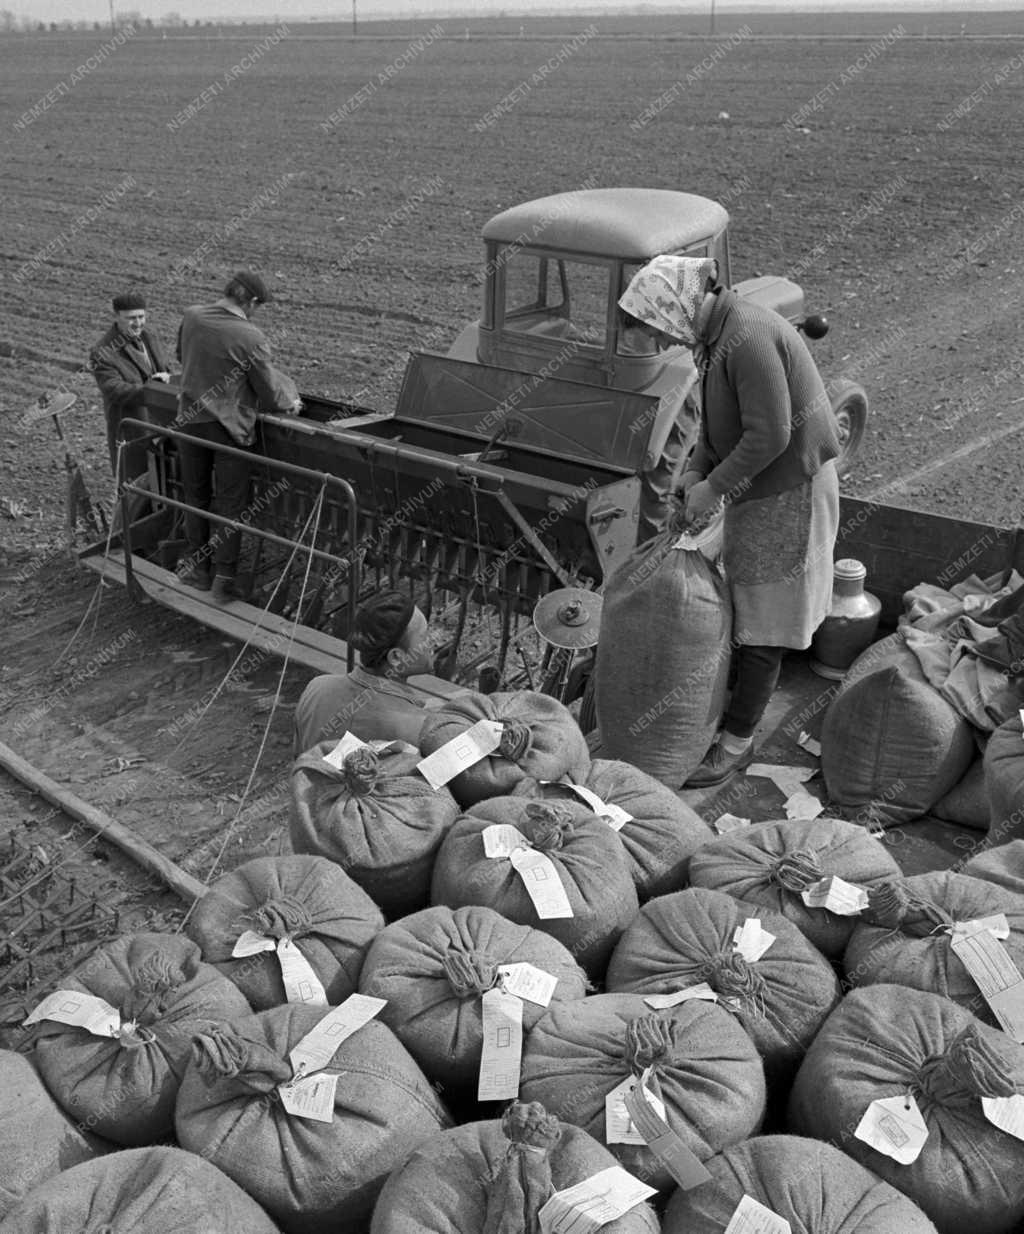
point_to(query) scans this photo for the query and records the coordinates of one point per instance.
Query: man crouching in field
(226, 377)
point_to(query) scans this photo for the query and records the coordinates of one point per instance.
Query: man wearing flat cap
(226, 377)
(124, 359)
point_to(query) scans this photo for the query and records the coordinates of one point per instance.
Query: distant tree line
(12, 23)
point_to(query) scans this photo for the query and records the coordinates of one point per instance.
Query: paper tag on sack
(597, 1201)
(614, 815)
(529, 982)
(1006, 1113)
(543, 886)
(660, 1002)
(751, 941)
(619, 1128)
(346, 746)
(996, 976)
(996, 925)
(501, 1056)
(311, 1097)
(318, 1047)
(894, 1126)
(80, 1011)
(729, 822)
(250, 943)
(502, 840)
(751, 1217)
(803, 805)
(837, 895)
(810, 744)
(670, 1149)
(461, 753)
(301, 984)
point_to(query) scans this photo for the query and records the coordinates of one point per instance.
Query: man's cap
(253, 284)
(129, 300)
(380, 623)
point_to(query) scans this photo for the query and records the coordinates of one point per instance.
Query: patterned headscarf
(667, 293)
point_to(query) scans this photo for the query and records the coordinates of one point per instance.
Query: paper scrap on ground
(659, 1002)
(311, 1097)
(501, 1055)
(810, 744)
(1006, 1113)
(78, 1010)
(598, 1200)
(346, 746)
(529, 982)
(615, 816)
(894, 1126)
(803, 805)
(996, 925)
(837, 895)
(996, 976)
(777, 771)
(751, 1217)
(729, 822)
(461, 753)
(502, 840)
(543, 886)
(619, 1128)
(319, 1045)
(751, 941)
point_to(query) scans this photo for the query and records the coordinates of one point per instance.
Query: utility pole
(354, 20)
(712, 30)
(112, 26)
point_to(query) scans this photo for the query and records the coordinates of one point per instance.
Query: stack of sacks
(661, 834)
(433, 968)
(1004, 781)
(705, 1070)
(910, 1048)
(308, 900)
(312, 1176)
(904, 936)
(687, 939)
(588, 859)
(376, 817)
(771, 865)
(812, 1185)
(539, 738)
(495, 1177)
(1002, 865)
(122, 1085)
(37, 1139)
(136, 1192)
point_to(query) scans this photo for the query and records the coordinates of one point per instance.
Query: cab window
(551, 297)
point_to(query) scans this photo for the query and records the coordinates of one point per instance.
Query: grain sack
(309, 900)
(770, 865)
(588, 858)
(679, 941)
(494, 1177)
(376, 817)
(433, 968)
(312, 1177)
(141, 1191)
(539, 738)
(966, 803)
(1002, 865)
(888, 1041)
(662, 832)
(123, 1087)
(663, 659)
(812, 1185)
(706, 1071)
(37, 1139)
(889, 652)
(903, 937)
(1004, 782)
(891, 747)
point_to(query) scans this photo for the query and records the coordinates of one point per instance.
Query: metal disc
(50, 405)
(569, 617)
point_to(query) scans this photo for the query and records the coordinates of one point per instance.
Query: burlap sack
(540, 739)
(769, 865)
(494, 1177)
(966, 803)
(1004, 782)
(663, 659)
(1002, 865)
(37, 1139)
(681, 940)
(588, 857)
(812, 1185)
(706, 1071)
(376, 817)
(312, 1177)
(888, 1040)
(434, 966)
(307, 899)
(124, 1088)
(661, 837)
(141, 1191)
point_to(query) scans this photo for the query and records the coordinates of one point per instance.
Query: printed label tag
(838, 896)
(894, 1126)
(661, 1001)
(729, 822)
(1006, 1113)
(751, 941)
(80, 1011)
(543, 886)
(250, 943)
(464, 751)
(311, 1097)
(671, 1151)
(501, 1057)
(301, 984)
(614, 815)
(343, 749)
(803, 805)
(751, 1217)
(996, 976)
(619, 1128)
(502, 840)
(598, 1200)
(317, 1048)
(996, 925)
(529, 982)
(810, 744)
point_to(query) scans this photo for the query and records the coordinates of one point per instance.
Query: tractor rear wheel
(850, 408)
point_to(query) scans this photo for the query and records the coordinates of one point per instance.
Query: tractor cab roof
(625, 222)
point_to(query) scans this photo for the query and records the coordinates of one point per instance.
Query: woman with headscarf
(767, 441)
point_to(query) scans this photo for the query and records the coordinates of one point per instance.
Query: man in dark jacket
(124, 359)
(226, 376)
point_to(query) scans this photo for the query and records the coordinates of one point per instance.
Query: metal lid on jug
(850, 569)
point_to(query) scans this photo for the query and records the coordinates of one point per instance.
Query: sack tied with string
(1002, 865)
(309, 900)
(376, 817)
(494, 1178)
(124, 1087)
(1004, 781)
